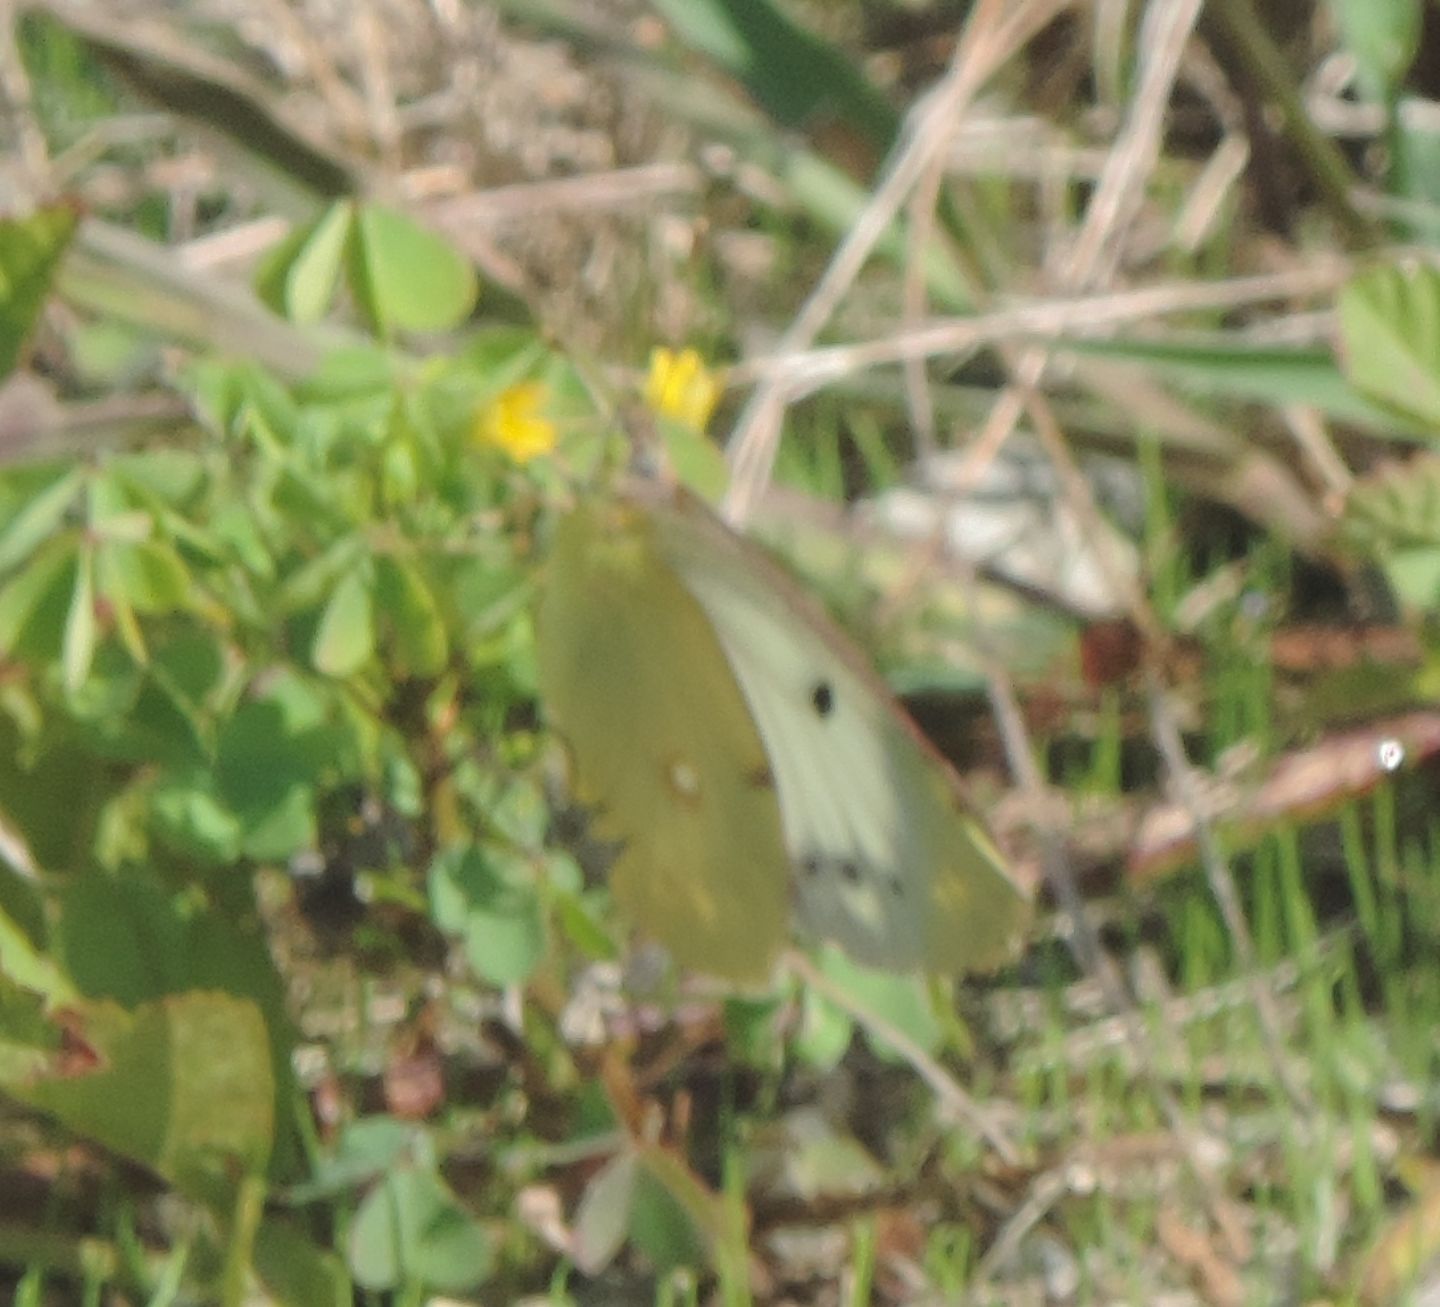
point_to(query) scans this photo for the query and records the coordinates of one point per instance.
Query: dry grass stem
(994, 31)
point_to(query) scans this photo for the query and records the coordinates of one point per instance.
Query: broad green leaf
(1392, 515)
(113, 590)
(231, 396)
(368, 1148)
(272, 745)
(753, 1034)
(488, 598)
(38, 519)
(299, 276)
(52, 789)
(171, 476)
(365, 371)
(900, 1001)
(25, 962)
(310, 583)
(1415, 576)
(234, 529)
(500, 355)
(497, 912)
(169, 724)
(282, 830)
(33, 590)
(697, 1225)
(582, 930)
(505, 938)
(809, 1155)
(267, 759)
(193, 664)
(345, 639)
(825, 1032)
(411, 618)
(400, 475)
(603, 1218)
(296, 1272)
(122, 940)
(798, 77)
(30, 252)
(411, 1232)
(406, 278)
(1415, 174)
(1383, 36)
(517, 810)
(1390, 337)
(114, 511)
(127, 939)
(190, 819)
(151, 576)
(29, 1042)
(78, 651)
(182, 1085)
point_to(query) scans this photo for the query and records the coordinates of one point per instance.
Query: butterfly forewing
(887, 860)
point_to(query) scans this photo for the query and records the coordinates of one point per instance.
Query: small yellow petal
(515, 422)
(681, 387)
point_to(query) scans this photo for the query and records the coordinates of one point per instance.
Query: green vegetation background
(309, 989)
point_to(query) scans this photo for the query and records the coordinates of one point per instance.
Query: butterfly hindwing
(664, 746)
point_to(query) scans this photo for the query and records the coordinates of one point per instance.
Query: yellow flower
(680, 386)
(514, 421)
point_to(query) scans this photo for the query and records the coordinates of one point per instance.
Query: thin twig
(520, 203)
(1250, 43)
(802, 371)
(994, 31)
(1046, 1190)
(377, 80)
(1118, 197)
(914, 302)
(1222, 884)
(1113, 207)
(1090, 954)
(17, 107)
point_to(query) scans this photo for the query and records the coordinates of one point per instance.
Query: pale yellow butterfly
(753, 768)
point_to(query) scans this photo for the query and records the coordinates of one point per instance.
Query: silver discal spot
(684, 779)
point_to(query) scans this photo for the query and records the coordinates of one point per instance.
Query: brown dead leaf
(1215, 1276)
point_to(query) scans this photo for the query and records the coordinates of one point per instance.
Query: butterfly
(755, 771)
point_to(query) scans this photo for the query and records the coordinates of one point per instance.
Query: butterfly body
(748, 758)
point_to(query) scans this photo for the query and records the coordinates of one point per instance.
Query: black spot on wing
(822, 698)
(852, 870)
